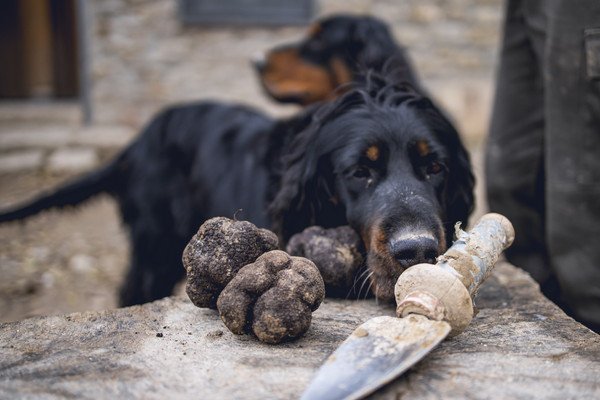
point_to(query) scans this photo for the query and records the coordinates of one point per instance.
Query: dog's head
(331, 54)
(384, 160)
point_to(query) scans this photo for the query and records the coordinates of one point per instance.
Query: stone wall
(143, 58)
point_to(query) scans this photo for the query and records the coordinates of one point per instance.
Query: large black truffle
(337, 253)
(273, 297)
(217, 252)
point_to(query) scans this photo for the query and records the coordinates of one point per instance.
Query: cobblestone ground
(58, 261)
(65, 261)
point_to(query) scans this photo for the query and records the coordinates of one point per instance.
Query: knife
(433, 301)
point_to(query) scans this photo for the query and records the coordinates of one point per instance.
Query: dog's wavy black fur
(381, 158)
(404, 202)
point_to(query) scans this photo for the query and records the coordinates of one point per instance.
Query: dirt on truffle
(217, 252)
(273, 297)
(337, 253)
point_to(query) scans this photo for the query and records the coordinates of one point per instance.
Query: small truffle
(217, 252)
(336, 252)
(272, 297)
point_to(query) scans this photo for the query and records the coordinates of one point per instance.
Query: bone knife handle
(445, 291)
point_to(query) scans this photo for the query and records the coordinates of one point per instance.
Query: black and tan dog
(381, 158)
(335, 51)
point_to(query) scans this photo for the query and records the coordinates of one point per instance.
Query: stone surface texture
(78, 158)
(518, 346)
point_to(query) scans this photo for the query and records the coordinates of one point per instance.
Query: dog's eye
(434, 168)
(359, 178)
(362, 172)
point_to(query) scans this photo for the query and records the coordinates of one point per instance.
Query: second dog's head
(384, 160)
(330, 55)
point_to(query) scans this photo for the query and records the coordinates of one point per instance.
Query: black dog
(190, 163)
(335, 51)
(381, 158)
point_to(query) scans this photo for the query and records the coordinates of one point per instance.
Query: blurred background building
(114, 63)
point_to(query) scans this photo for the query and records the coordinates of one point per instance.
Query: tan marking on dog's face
(422, 148)
(286, 75)
(382, 266)
(372, 153)
(378, 240)
(341, 72)
(365, 235)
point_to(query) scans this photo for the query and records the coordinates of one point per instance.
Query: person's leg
(572, 149)
(514, 154)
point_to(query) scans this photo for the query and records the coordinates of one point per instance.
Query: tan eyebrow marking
(372, 153)
(422, 148)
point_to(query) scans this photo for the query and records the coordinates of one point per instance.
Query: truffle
(217, 252)
(272, 297)
(337, 253)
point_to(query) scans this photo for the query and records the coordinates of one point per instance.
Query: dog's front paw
(274, 297)
(336, 252)
(217, 252)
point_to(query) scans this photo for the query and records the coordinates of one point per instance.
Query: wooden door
(38, 49)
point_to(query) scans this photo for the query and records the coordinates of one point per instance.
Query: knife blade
(433, 301)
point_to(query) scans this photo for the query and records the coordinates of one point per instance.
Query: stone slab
(73, 159)
(518, 346)
(105, 136)
(21, 160)
(24, 135)
(62, 112)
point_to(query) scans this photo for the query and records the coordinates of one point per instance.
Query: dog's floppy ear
(458, 199)
(459, 196)
(307, 194)
(372, 43)
(374, 47)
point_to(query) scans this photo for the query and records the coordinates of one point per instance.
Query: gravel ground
(58, 261)
(71, 260)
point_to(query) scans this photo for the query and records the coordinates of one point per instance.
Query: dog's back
(191, 162)
(196, 161)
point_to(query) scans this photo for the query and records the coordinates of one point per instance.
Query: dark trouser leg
(572, 148)
(514, 159)
(543, 164)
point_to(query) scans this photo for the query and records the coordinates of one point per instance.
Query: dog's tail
(70, 194)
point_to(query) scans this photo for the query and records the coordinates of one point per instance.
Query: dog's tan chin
(383, 279)
(384, 291)
(383, 287)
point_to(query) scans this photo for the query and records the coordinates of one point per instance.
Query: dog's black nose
(414, 250)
